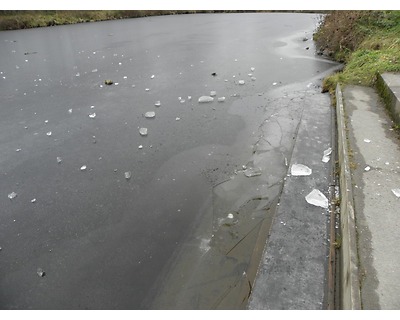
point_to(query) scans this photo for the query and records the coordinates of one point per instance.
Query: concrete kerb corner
(388, 86)
(350, 297)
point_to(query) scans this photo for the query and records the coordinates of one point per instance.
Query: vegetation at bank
(24, 19)
(367, 42)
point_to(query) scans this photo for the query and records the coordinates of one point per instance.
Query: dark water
(105, 242)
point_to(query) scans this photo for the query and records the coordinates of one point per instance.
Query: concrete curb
(388, 85)
(350, 297)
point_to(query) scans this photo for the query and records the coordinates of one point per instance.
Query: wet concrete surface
(166, 237)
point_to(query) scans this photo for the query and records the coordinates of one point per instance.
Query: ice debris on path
(48, 133)
(152, 77)
(221, 99)
(367, 168)
(83, 168)
(128, 175)
(300, 170)
(143, 131)
(40, 272)
(12, 195)
(396, 192)
(70, 110)
(367, 140)
(158, 103)
(177, 118)
(150, 114)
(252, 68)
(59, 160)
(241, 82)
(252, 172)
(33, 200)
(317, 198)
(326, 157)
(213, 93)
(92, 115)
(205, 99)
(140, 147)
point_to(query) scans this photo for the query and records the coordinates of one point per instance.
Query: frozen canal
(119, 188)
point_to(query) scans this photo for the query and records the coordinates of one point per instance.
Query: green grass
(368, 43)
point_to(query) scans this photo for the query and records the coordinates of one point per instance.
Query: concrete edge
(390, 97)
(350, 296)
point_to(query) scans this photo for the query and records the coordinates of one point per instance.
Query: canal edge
(349, 284)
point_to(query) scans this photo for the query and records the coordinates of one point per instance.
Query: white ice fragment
(158, 103)
(177, 118)
(189, 98)
(49, 133)
(147, 89)
(396, 192)
(33, 200)
(83, 168)
(91, 107)
(150, 114)
(253, 78)
(326, 157)
(46, 121)
(230, 216)
(12, 195)
(183, 101)
(18, 150)
(367, 140)
(152, 77)
(252, 172)
(241, 82)
(143, 131)
(221, 99)
(59, 160)
(300, 170)
(204, 99)
(40, 272)
(94, 70)
(128, 175)
(252, 68)
(275, 83)
(92, 115)
(213, 93)
(367, 168)
(69, 110)
(140, 147)
(317, 198)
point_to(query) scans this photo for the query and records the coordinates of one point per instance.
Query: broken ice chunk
(49, 133)
(241, 82)
(150, 114)
(40, 272)
(326, 157)
(396, 192)
(204, 99)
(33, 200)
(83, 168)
(252, 68)
(152, 77)
(92, 115)
(158, 103)
(317, 198)
(253, 78)
(177, 118)
(367, 140)
(140, 147)
(367, 168)
(221, 99)
(230, 216)
(252, 172)
(70, 110)
(213, 93)
(128, 175)
(59, 160)
(12, 195)
(143, 131)
(300, 170)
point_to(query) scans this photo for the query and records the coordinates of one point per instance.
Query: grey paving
(375, 173)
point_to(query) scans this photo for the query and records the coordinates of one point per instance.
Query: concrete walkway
(374, 158)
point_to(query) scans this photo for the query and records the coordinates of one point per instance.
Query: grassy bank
(367, 42)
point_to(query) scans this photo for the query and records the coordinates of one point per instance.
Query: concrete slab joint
(349, 279)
